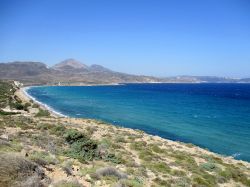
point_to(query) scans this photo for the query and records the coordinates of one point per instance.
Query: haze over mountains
(73, 72)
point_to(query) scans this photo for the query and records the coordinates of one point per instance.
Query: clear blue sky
(152, 37)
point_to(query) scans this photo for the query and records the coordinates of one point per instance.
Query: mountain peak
(69, 64)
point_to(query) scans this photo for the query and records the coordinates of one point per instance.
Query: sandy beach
(23, 95)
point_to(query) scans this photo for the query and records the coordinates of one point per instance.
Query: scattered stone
(87, 177)
(4, 137)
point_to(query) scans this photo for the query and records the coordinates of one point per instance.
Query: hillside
(40, 149)
(73, 72)
(67, 72)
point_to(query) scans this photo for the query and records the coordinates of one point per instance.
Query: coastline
(24, 96)
(27, 97)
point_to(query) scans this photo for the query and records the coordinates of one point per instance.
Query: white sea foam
(25, 89)
(236, 155)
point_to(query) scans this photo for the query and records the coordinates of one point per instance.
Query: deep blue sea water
(213, 116)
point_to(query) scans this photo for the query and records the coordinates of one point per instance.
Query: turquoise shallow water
(213, 116)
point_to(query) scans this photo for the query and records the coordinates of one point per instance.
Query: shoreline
(26, 97)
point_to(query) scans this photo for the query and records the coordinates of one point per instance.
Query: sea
(212, 116)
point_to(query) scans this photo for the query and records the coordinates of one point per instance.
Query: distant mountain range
(73, 72)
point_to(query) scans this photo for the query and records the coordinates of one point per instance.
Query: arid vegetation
(45, 150)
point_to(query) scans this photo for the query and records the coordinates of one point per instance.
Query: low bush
(35, 105)
(161, 182)
(6, 90)
(209, 166)
(10, 146)
(67, 170)
(179, 173)
(91, 130)
(129, 182)
(113, 158)
(17, 106)
(58, 130)
(44, 126)
(146, 155)
(159, 167)
(43, 158)
(156, 148)
(200, 181)
(232, 172)
(138, 145)
(16, 170)
(110, 171)
(26, 106)
(42, 113)
(64, 183)
(181, 181)
(81, 147)
(120, 139)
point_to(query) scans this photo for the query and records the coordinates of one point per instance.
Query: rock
(98, 183)
(24, 153)
(4, 137)
(87, 177)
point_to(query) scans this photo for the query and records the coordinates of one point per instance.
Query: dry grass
(110, 171)
(17, 171)
(65, 183)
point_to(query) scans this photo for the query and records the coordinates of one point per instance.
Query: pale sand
(25, 97)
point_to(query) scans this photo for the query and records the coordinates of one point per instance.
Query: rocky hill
(73, 72)
(67, 72)
(70, 65)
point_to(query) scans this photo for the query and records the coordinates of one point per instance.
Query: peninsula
(74, 72)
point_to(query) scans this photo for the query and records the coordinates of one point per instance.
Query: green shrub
(35, 105)
(200, 181)
(130, 183)
(210, 179)
(146, 155)
(120, 139)
(161, 182)
(113, 158)
(159, 167)
(85, 149)
(42, 113)
(81, 147)
(42, 158)
(58, 130)
(91, 130)
(138, 145)
(178, 173)
(26, 106)
(208, 166)
(73, 136)
(44, 126)
(17, 106)
(10, 146)
(6, 92)
(181, 182)
(64, 183)
(156, 148)
(232, 172)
